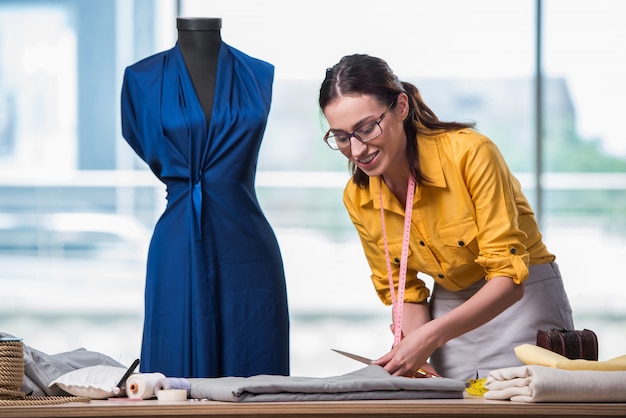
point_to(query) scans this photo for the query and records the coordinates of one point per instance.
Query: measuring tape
(397, 302)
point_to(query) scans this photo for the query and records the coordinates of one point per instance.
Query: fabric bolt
(215, 296)
(371, 382)
(470, 221)
(492, 346)
(534, 355)
(545, 384)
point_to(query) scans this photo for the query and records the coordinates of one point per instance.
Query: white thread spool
(142, 385)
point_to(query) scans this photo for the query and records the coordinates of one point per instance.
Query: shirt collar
(431, 165)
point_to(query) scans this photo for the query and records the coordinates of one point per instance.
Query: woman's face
(382, 155)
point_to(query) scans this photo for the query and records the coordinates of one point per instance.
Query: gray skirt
(474, 354)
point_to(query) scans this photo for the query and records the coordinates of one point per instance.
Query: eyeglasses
(365, 133)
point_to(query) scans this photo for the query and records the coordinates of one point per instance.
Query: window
(77, 207)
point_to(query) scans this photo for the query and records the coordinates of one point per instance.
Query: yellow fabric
(471, 221)
(535, 355)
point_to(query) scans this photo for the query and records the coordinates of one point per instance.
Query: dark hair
(364, 74)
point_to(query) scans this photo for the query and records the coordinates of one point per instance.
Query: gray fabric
(473, 355)
(371, 382)
(40, 369)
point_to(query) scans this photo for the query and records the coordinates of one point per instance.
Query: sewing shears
(366, 360)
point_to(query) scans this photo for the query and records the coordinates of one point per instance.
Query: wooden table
(448, 408)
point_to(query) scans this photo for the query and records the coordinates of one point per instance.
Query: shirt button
(513, 251)
(397, 260)
(422, 243)
(461, 243)
(440, 276)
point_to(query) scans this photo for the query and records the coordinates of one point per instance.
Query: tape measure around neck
(397, 301)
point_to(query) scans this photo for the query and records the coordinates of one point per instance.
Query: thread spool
(173, 383)
(11, 369)
(142, 385)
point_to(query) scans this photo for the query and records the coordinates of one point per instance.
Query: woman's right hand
(409, 355)
(426, 370)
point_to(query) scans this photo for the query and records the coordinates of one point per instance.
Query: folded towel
(532, 354)
(546, 384)
(371, 382)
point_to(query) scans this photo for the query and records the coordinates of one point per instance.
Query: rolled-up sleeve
(493, 189)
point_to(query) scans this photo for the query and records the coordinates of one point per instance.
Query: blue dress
(215, 295)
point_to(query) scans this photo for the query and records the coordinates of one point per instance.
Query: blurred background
(543, 79)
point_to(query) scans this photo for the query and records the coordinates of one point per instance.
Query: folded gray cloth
(545, 384)
(40, 369)
(371, 382)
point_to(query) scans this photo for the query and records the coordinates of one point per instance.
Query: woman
(468, 226)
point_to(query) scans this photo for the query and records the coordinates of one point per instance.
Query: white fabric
(546, 384)
(96, 382)
(371, 382)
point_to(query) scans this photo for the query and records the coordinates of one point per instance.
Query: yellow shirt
(471, 221)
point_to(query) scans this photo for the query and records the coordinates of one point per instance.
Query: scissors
(130, 371)
(370, 361)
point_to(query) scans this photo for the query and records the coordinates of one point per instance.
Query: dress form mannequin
(215, 300)
(199, 40)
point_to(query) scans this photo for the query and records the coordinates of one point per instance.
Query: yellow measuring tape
(476, 387)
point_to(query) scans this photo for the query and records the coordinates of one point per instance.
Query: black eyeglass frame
(354, 134)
